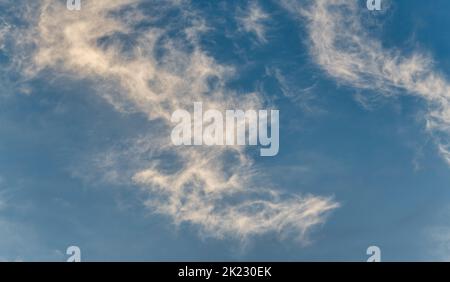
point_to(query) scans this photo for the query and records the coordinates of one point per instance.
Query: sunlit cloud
(153, 73)
(342, 47)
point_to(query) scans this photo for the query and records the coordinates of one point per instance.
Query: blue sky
(84, 153)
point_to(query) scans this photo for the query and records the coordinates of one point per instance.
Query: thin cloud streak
(342, 47)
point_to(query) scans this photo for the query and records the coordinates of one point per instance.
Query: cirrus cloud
(154, 73)
(342, 47)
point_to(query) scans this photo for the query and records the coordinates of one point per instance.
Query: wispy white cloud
(254, 20)
(4, 29)
(342, 47)
(214, 188)
(303, 96)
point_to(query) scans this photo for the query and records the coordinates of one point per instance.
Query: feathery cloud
(342, 47)
(151, 72)
(254, 20)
